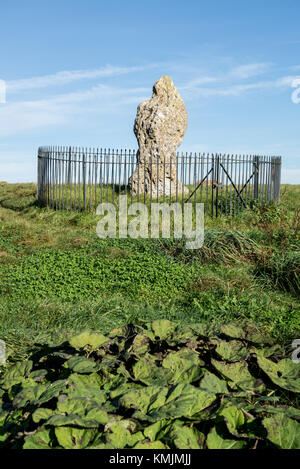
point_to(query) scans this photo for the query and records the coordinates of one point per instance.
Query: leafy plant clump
(161, 386)
(76, 274)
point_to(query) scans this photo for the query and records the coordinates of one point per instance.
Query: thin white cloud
(198, 81)
(238, 89)
(66, 77)
(16, 117)
(250, 70)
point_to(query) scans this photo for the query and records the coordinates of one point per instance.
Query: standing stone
(159, 127)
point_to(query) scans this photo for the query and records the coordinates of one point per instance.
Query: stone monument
(159, 127)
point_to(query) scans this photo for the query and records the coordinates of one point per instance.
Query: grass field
(57, 277)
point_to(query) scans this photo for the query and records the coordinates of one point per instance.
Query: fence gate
(237, 181)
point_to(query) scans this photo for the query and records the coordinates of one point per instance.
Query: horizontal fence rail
(77, 179)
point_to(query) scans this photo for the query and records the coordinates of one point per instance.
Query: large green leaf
(92, 339)
(18, 369)
(183, 357)
(283, 431)
(16, 374)
(122, 433)
(39, 440)
(58, 420)
(29, 395)
(247, 333)
(186, 437)
(172, 333)
(82, 365)
(146, 371)
(76, 380)
(162, 329)
(73, 405)
(266, 351)
(285, 373)
(233, 331)
(42, 414)
(213, 384)
(84, 407)
(215, 441)
(140, 345)
(230, 351)
(150, 445)
(144, 399)
(75, 438)
(153, 431)
(286, 410)
(239, 376)
(185, 366)
(183, 400)
(234, 418)
(53, 390)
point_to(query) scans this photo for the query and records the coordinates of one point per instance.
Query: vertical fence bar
(227, 182)
(63, 153)
(107, 164)
(90, 177)
(120, 158)
(195, 179)
(256, 176)
(212, 183)
(113, 174)
(177, 176)
(95, 176)
(240, 158)
(277, 179)
(125, 172)
(217, 182)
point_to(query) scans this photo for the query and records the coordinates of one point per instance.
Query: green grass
(56, 275)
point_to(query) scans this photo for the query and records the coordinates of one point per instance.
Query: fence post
(277, 177)
(39, 176)
(256, 175)
(212, 178)
(84, 179)
(69, 165)
(217, 183)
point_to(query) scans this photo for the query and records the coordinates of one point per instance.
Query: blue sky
(75, 71)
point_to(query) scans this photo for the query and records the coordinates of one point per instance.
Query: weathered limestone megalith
(159, 127)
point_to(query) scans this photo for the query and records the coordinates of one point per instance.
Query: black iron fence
(80, 179)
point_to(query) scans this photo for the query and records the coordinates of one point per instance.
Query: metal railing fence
(71, 178)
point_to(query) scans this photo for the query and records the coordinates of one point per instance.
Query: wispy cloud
(226, 81)
(66, 77)
(100, 99)
(249, 70)
(225, 87)
(198, 81)
(20, 116)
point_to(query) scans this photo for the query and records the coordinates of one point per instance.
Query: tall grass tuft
(220, 247)
(283, 269)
